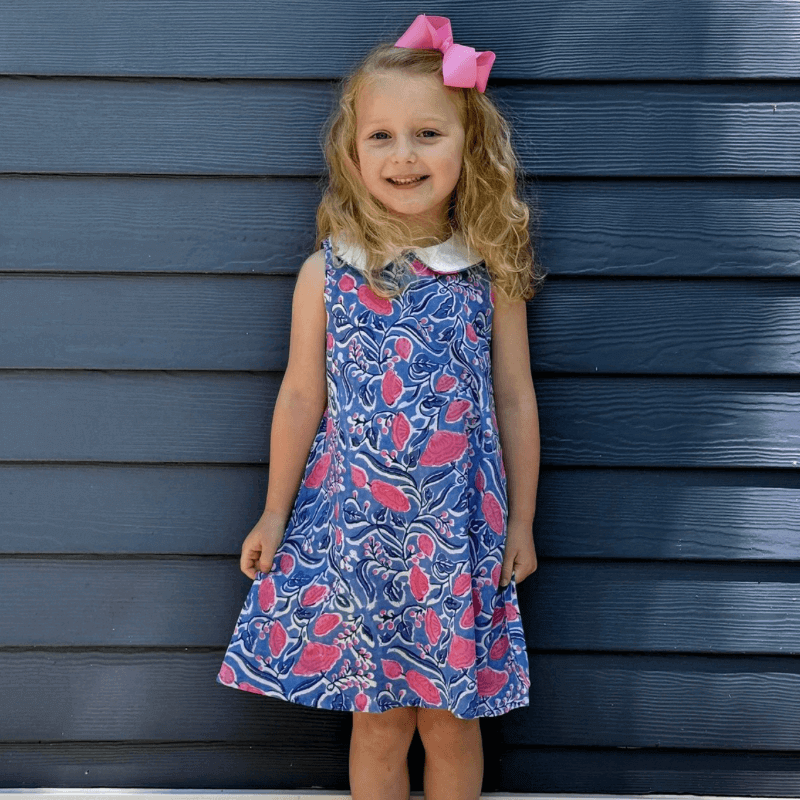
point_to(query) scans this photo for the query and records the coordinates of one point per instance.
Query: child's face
(409, 125)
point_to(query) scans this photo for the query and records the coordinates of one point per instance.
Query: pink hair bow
(462, 66)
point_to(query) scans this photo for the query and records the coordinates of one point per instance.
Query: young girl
(386, 561)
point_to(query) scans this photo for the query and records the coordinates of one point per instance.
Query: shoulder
(312, 270)
(504, 307)
(309, 288)
(315, 263)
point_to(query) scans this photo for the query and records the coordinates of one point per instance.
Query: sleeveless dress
(385, 589)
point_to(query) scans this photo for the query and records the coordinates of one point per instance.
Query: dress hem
(277, 695)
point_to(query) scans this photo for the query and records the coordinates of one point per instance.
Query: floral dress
(385, 589)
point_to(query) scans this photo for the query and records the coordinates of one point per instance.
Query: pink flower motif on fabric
(391, 669)
(462, 584)
(419, 583)
(423, 687)
(287, 564)
(226, 675)
(380, 305)
(319, 471)
(391, 387)
(402, 346)
(313, 595)
(401, 430)
(266, 594)
(433, 626)
(389, 496)
(444, 447)
(499, 649)
(445, 383)
(326, 623)
(421, 269)
(462, 652)
(358, 476)
(277, 638)
(315, 658)
(456, 410)
(425, 544)
(492, 512)
(491, 681)
(248, 687)
(496, 570)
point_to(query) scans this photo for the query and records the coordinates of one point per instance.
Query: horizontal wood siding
(154, 416)
(240, 766)
(206, 323)
(601, 39)
(247, 127)
(667, 605)
(159, 173)
(625, 700)
(588, 226)
(652, 513)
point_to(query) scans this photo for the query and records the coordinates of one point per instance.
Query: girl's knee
(441, 731)
(385, 733)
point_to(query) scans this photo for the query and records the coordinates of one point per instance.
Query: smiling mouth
(407, 182)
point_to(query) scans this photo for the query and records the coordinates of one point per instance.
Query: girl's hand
(258, 549)
(520, 553)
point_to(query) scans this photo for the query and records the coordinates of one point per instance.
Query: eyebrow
(442, 120)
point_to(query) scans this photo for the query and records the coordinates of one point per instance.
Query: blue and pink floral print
(385, 590)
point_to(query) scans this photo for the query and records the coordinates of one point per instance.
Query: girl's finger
(248, 562)
(507, 571)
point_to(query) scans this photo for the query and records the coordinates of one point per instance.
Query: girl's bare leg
(378, 754)
(453, 755)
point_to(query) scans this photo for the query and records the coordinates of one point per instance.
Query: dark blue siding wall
(158, 181)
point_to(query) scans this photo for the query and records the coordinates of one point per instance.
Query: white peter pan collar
(451, 255)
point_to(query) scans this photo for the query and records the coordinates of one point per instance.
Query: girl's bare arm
(301, 401)
(518, 422)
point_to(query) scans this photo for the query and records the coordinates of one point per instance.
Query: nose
(404, 149)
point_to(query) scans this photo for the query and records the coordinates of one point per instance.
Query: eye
(383, 133)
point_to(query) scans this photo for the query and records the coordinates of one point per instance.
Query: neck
(429, 241)
(429, 236)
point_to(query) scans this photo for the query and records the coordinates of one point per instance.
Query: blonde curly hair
(486, 205)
